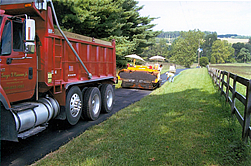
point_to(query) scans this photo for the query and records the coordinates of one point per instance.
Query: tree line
(186, 48)
(120, 20)
(175, 34)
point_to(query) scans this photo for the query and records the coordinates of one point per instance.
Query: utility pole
(199, 54)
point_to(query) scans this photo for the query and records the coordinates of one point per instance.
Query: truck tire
(73, 106)
(92, 103)
(107, 97)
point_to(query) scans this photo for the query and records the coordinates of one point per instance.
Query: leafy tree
(204, 61)
(213, 60)
(222, 51)
(244, 55)
(184, 48)
(249, 41)
(160, 48)
(248, 46)
(237, 47)
(171, 34)
(231, 57)
(181, 54)
(207, 46)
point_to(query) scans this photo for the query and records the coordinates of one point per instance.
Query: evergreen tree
(94, 18)
(106, 19)
(137, 28)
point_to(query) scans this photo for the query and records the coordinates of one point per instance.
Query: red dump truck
(48, 74)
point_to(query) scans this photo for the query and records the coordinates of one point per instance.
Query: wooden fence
(226, 82)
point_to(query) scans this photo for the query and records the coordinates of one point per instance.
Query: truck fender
(8, 125)
(3, 98)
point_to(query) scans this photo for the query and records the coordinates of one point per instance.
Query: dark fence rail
(227, 82)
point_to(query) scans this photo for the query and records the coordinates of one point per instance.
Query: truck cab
(17, 58)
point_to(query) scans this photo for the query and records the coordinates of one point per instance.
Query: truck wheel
(92, 103)
(73, 106)
(107, 96)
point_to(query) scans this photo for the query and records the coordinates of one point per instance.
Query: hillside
(233, 40)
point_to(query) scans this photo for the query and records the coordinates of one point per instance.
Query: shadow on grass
(195, 126)
(191, 127)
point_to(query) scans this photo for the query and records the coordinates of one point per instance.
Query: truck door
(18, 73)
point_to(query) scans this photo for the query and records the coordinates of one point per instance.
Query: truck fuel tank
(31, 114)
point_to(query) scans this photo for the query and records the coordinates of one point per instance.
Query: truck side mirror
(29, 36)
(29, 47)
(30, 30)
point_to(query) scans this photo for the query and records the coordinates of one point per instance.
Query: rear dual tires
(92, 103)
(88, 103)
(96, 101)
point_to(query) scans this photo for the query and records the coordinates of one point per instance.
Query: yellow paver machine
(139, 76)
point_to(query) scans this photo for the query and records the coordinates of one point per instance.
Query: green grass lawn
(182, 123)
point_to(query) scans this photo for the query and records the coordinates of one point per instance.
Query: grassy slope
(181, 123)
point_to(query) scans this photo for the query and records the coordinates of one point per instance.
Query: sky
(223, 17)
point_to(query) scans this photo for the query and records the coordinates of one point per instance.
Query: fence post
(214, 75)
(219, 77)
(246, 124)
(227, 89)
(233, 94)
(222, 82)
(216, 79)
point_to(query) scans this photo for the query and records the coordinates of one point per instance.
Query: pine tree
(94, 18)
(107, 19)
(137, 28)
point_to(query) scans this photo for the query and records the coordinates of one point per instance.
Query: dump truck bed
(58, 65)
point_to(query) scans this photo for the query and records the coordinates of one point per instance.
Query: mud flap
(8, 126)
(62, 114)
